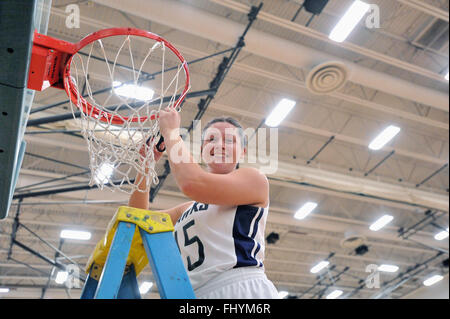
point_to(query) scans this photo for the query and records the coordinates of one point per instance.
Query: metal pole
(15, 227)
(320, 150)
(74, 202)
(442, 250)
(31, 267)
(77, 114)
(55, 161)
(333, 280)
(46, 259)
(407, 273)
(436, 172)
(62, 190)
(222, 71)
(49, 181)
(429, 217)
(61, 242)
(51, 246)
(296, 13)
(382, 161)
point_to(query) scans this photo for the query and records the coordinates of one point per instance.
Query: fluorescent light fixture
(334, 294)
(387, 268)
(305, 210)
(61, 277)
(4, 290)
(349, 21)
(280, 112)
(384, 137)
(319, 266)
(104, 173)
(282, 294)
(381, 222)
(432, 280)
(441, 235)
(446, 76)
(75, 234)
(145, 287)
(133, 91)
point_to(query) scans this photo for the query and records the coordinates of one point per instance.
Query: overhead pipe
(215, 28)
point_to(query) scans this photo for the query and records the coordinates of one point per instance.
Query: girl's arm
(245, 186)
(139, 199)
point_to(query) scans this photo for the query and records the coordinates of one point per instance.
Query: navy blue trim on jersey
(243, 243)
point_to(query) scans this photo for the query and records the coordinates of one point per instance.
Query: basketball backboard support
(18, 20)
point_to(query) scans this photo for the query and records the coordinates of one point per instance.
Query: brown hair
(230, 120)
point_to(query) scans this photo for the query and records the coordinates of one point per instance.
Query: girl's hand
(169, 123)
(157, 154)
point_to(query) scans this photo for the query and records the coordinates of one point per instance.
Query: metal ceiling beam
(378, 190)
(304, 30)
(309, 235)
(379, 108)
(339, 221)
(317, 223)
(426, 8)
(189, 19)
(327, 134)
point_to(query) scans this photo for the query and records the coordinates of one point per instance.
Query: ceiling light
(446, 76)
(4, 290)
(334, 294)
(282, 294)
(381, 222)
(133, 91)
(319, 266)
(305, 210)
(388, 268)
(432, 280)
(75, 234)
(349, 21)
(441, 235)
(280, 112)
(384, 137)
(104, 173)
(61, 277)
(145, 287)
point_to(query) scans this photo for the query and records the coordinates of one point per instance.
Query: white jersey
(213, 239)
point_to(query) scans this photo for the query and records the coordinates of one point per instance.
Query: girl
(220, 233)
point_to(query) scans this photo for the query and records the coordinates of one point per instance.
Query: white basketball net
(134, 81)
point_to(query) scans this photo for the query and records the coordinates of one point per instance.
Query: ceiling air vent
(353, 240)
(327, 77)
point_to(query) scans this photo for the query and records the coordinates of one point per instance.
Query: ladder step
(109, 283)
(123, 252)
(167, 266)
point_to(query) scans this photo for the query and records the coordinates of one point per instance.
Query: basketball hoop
(119, 111)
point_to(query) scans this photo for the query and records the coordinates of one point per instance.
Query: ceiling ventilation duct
(327, 77)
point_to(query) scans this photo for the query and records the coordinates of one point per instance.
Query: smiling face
(222, 147)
